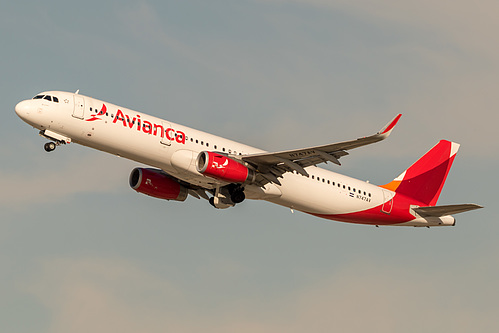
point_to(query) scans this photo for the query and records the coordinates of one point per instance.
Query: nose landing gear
(57, 140)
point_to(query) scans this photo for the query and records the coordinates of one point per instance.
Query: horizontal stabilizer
(438, 211)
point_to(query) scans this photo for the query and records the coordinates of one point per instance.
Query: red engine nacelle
(224, 168)
(155, 183)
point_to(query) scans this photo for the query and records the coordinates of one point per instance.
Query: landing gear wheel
(49, 146)
(212, 201)
(238, 197)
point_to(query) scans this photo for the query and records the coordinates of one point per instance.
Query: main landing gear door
(168, 135)
(79, 108)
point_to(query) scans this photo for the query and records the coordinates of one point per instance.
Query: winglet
(385, 131)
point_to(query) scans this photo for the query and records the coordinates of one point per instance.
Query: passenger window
(215, 146)
(313, 177)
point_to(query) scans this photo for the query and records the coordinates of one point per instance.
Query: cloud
(440, 74)
(97, 173)
(141, 20)
(470, 25)
(90, 294)
(102, 295)
(387, 299)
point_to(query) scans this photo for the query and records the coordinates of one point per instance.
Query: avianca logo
(142, 125)
(148, 127)
(217, 165)
(102, 112)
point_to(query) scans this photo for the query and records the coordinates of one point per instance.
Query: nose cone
(24, 108)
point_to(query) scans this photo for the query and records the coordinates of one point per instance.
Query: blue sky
(80, 251)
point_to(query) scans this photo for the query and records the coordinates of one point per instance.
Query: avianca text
(148, 127)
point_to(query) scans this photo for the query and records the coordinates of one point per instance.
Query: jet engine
(224, 168)
(156, 183)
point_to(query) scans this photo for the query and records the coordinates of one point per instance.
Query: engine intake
(224, 168)
(156, 183)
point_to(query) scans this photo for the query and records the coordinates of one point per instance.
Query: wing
(270, 166)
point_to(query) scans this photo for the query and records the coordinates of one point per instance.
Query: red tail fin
(425, 179)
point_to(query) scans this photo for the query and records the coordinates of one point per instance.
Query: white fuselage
(137, 136)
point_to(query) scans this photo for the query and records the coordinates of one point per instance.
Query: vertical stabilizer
(425, 179)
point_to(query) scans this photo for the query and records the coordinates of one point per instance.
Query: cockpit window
(47, 97)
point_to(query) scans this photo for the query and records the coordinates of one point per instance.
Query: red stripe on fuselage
(400, 213)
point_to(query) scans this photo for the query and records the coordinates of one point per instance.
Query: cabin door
(79, 107)
(387, 202)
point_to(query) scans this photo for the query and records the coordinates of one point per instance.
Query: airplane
(184, 161)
